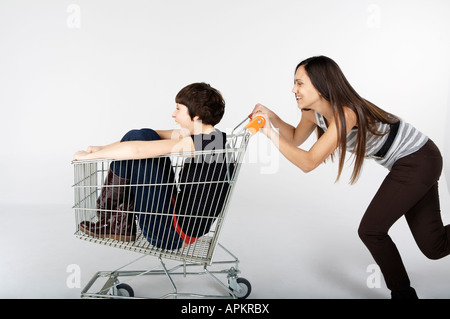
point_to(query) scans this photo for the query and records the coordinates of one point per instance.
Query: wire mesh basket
(170, 207)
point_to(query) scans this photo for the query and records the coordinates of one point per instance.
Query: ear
(196, 118)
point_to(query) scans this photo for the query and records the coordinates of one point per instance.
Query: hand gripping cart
(181, 221)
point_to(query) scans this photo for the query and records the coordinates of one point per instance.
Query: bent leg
(410, 188)
(152, 184)
(384, 210)
(425, 222)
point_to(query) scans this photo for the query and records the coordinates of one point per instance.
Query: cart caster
(124, 290)
(241, 287)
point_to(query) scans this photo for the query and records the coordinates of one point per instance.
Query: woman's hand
(80, 155)
(261, 110)
(93, 149)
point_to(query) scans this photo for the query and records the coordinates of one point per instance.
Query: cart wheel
(124, 290)
(245, 286)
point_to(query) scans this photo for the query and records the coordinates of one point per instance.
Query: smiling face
(306, 94)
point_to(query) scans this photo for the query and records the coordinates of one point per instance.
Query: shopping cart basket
(181, 220)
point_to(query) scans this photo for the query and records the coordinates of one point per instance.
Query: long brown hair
(328, 78)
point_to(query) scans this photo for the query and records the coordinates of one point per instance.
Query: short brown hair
(203, 101)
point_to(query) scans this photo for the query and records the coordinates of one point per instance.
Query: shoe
(404, 294)
(114, 215)
(117, 225)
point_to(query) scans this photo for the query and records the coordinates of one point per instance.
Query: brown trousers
(410, 189)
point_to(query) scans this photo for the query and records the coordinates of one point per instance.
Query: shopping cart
(172, 227)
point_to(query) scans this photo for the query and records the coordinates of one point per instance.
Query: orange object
(256, 124)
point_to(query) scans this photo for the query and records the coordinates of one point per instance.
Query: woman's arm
(92, 149)
(172, 134)
(137, 149)
(295, 135)
(305, 128)
(319, 152)
(166, 134)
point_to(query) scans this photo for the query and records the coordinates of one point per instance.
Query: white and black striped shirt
(407, 141)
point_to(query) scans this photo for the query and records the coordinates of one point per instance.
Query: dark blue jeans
(152, 194)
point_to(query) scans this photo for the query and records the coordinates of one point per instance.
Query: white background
(79, 73)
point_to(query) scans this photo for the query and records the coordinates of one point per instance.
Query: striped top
(407, 141)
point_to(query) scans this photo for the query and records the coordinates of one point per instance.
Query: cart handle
(256, 124)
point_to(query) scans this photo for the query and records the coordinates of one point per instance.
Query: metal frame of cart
(88, 182)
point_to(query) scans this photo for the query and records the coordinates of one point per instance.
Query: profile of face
(182, 117)
(306, 94)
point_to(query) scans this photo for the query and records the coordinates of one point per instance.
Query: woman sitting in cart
(142, 182)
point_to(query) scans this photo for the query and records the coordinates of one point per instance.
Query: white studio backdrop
(84, 72)
(76, 73)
